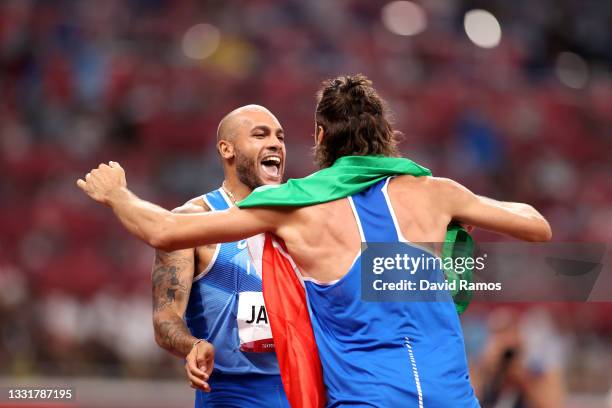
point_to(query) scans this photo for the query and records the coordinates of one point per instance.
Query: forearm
(528, 224)
(517, 220)
(162, 229)
(171, 283)
(141, 218)
(169, 232)
(172, 334)
(521, 209)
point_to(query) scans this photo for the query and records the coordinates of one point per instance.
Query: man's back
(382, 354)
(324, 239)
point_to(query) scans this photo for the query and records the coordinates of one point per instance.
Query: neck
(235, 189)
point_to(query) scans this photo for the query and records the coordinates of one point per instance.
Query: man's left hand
(101, 183)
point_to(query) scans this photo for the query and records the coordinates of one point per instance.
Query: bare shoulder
(428, 184)
(422, 186)
(442, 194)
(195, 205)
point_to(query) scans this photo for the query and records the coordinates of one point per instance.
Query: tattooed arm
(172, 275)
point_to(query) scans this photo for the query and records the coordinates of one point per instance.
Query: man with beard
(382, 354)
(216, 288)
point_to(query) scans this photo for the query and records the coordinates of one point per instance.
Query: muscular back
(324, 239)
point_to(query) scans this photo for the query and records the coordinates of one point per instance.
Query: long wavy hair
(354, 120)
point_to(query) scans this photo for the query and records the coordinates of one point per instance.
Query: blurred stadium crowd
(146, 82)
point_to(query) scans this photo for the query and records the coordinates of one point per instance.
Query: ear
(226, 149)
(319, 136)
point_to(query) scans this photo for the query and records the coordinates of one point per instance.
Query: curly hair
(354, 121)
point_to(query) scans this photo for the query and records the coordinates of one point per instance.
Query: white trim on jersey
(226, 197)
(400, 236)
(362, 236)
(357, 220)
(217, 246)
(210, 207)
(415, 371)
(313, 280)
(330, 283)
(210, 264)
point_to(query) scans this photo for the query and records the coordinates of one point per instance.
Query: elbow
(161, 236)
(547, 233)
(542, 234)
(541, 231)
(159, 338)
(160, 342)
(160, 330)
(160, 240)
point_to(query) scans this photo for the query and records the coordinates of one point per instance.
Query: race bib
(253, 325)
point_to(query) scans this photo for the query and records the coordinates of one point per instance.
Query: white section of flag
(255, 246)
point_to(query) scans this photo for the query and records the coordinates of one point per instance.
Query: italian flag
(283, 288)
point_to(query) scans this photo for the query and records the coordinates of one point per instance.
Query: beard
(247, 170)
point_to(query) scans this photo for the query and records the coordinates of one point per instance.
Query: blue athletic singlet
(386, 354)
(226, 308)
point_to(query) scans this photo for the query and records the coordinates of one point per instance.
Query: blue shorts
(243, 391)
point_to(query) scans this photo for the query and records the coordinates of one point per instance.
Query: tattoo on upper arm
(167, 282)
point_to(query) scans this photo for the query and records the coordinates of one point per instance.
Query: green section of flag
(350, 175)
(458, 243)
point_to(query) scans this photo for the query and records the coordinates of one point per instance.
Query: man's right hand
(199, 365)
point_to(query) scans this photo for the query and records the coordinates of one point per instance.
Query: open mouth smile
(271, 165)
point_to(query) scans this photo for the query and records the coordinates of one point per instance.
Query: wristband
(197, 342)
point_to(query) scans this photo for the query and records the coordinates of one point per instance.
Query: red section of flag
(294, 340)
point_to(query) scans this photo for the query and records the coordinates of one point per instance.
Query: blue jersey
(386, 354)
(226, 307)
(243, 391)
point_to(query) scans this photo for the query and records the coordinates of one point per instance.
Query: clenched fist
(102, 182)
